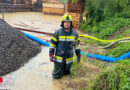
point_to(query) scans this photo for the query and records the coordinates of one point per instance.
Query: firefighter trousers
(61, 69)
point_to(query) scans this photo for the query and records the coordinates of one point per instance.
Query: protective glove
(78, 59)
(51, 57)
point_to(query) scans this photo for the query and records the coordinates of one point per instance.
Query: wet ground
(33, 20)
(37, 73)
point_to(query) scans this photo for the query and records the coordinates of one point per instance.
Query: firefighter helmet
(66, 17)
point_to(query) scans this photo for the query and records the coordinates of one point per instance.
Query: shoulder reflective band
(53, 38)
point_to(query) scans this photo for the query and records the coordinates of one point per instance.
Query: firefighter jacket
(62, 45)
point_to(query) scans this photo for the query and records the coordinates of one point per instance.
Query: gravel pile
(15, 48)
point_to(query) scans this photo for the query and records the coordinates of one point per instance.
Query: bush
(98, 9)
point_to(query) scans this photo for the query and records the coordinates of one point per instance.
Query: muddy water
(33, 20)
(37, 73)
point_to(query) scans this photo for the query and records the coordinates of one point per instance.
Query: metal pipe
(3, 13)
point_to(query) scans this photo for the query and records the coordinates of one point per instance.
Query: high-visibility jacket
(62, 45)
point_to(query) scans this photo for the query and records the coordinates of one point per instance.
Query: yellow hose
(101, 39)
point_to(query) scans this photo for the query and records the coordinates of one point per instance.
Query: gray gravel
(15, 48)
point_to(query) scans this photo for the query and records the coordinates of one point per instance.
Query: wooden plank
(53, 11)
(51, 1)
(56, 5)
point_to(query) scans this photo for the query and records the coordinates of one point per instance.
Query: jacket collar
(67, 32)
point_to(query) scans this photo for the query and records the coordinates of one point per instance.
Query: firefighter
(62, 44)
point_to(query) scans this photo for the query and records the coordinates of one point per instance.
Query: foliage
(74, 67)
(74, 1)
(63, 1)
(124, 14)
(104, 19)
(98, 9)
(105, 28)
(115, 78)
(126, 32)
(121, 48)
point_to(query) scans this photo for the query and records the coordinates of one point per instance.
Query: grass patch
(114, 78)
(126, 32)
(74, 67)
(119, 50)
(105, 28)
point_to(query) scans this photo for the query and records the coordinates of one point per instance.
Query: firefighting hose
(100, 57)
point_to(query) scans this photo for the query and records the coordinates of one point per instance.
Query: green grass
(114, 75)
(126, 32)
(119, 50)
(74, 67)
(105, 28)
(63, 1)
(114, 78)
(104, 22)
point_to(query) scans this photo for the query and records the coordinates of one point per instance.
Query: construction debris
(15, 48)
